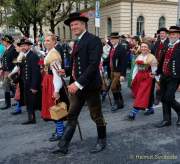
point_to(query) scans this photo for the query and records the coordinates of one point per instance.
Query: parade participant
(51, 85)
(31, 76)
(170, 78)
(86, 55)
(7, 65)
(126, 45)
(161, 47)
(135, 51)
(59, 48)
(15, 75)
(2, 49)
(143, 74)
(118, 65)
(105, 71)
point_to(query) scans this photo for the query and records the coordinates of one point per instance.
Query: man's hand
(33, 91)
(72, 88)
(122, 78)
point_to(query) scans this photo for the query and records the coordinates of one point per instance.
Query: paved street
(136, 142)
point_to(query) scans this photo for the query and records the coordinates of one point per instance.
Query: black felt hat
(75, 16)
(174, 29)
(162, 29)
(114, 35)
(24, 41)
(8, 38)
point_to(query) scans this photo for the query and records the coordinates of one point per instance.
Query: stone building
(134, 17)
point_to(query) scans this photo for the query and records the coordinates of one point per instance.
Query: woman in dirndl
(142, 80)
(52, 84)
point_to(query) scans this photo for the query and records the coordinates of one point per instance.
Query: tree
(32, 12)
(24, 13)
(57, 10)
(20, 16)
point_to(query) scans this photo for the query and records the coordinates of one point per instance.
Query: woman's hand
(152, 75)
(61, 72)
(56, 95)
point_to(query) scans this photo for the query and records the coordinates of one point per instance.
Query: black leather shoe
(114, 108)
(163, 124)
(29, 122)
(100, 146)
(5, 107)
(130, 117)
(104, 93)
(61, 151)
(149, 112)
(54, 137)
(16, 113)
(63, 147)
(178, 122)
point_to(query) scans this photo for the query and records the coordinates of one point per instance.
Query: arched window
(109, 26)
(162, 22)
(140, 25)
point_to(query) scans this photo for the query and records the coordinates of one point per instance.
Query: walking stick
(103, 78)
(78, 125)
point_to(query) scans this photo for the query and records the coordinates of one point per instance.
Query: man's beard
(173, 40)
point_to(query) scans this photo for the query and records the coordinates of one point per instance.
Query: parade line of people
(35, 76)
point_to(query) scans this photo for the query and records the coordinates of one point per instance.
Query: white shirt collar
(8, 47)
(115, 45)
(79, 37)
(25, 54)
(172, 44)
(163, 40)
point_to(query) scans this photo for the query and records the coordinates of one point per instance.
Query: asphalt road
(128, 142)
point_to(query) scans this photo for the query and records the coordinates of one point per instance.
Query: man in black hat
(170, 78)
(7, 66)
(118, 58)
(86, 55)
(30, 72)
(161, 47)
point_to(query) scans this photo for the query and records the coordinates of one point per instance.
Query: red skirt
(47, 96)
(141, 88)
(17, 93)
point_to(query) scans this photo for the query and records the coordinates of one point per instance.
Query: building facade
(133, 17)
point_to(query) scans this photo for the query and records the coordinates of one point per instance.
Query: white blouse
(55, 66)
